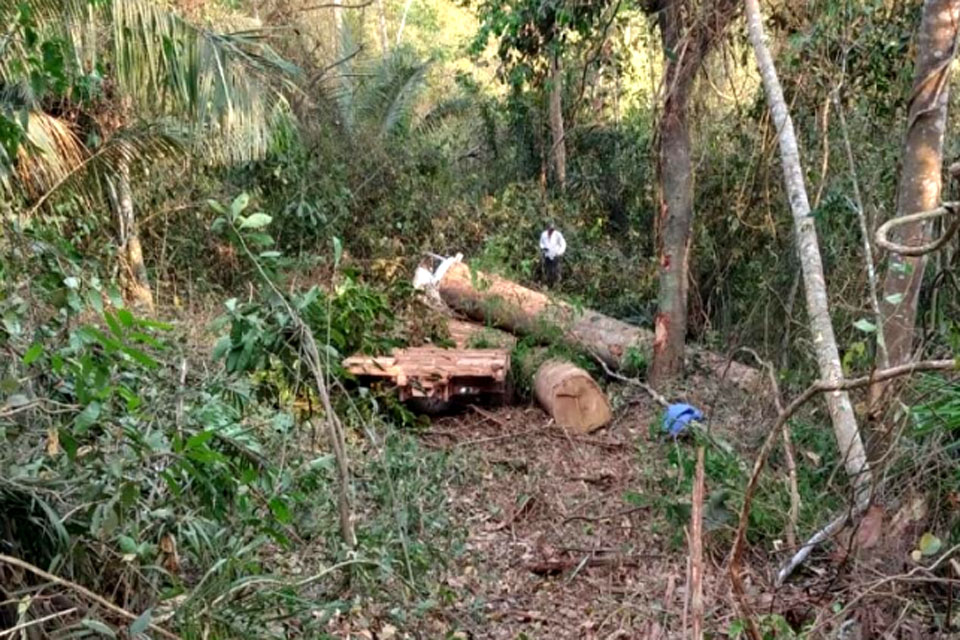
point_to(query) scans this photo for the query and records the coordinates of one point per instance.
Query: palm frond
(383, 101)
(220, 84)
(55, 159)
(50, 152)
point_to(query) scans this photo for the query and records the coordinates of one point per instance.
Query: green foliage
(529, 33)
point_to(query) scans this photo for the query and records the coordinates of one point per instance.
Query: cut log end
(574, 400)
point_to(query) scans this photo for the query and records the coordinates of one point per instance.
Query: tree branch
(948, 208)
(820, 386)
(335, 5)
(17, 562)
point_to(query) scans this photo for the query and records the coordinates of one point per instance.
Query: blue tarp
(677, 417)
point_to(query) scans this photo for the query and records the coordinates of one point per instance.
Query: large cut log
(503, 303)
(571, 397)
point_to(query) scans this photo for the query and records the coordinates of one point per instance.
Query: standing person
(552, 248)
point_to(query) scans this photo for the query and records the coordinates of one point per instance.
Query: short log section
(571, 397)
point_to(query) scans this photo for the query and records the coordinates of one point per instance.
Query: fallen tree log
(498, 301)
(571, 397)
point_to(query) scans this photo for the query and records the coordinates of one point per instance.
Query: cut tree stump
(571, 397)
(498, 301)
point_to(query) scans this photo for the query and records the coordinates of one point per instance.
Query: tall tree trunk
(382, 20)
(844, 421)
(920, 178)
(133, 271)
(558, 149)
(676, 203)
(688, 45)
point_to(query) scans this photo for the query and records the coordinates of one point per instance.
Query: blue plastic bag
(678, 416)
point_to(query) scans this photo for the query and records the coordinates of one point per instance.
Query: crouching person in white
(552, 248)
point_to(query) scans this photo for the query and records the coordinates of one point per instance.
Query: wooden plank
(436, 372)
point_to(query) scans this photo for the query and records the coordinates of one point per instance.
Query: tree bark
(676, 203)
(558, 149)
(688, 46)
(920, 179)
(490, 298)
(844, 421)
(133, 271)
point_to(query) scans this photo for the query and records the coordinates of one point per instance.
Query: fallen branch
(552, 567)
(38, 621)
(337, 5)
(657, 397)
(817, 387)
(611, 516)
(696, 549)
(17, 562)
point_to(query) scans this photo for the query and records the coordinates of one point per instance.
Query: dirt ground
(563, 542)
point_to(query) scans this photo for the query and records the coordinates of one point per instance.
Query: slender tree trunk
(338, 27)
(403, 21)
(844, 421)
(558, 149)
(676, 204)
(920, 178)
(133, 271)
(382, 20)
(688, 46)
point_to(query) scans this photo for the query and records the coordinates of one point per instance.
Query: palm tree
(158, 85)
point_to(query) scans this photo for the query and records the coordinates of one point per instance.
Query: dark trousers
(551, 270)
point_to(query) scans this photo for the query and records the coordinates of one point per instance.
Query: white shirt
(552, 244)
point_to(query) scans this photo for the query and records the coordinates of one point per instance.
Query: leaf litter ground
(566, 535)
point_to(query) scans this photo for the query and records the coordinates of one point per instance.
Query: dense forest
(479, 319)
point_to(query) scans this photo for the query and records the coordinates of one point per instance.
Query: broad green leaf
(112, 323)
(221, 348)
(127, 544)
(34, 352)
(95, 300)
(87, 417)
(270, 254)
(216, 206)
(154, 324)
(865, 325)
(337, 251)
(894, 298)
(140, 357)
(126, 318)
(98, 627)
(199, 439)
(255, 221)
(280, 510)
(239, 204)
(116, 299)
(140, 624)
(929, 544)
(72, 283)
